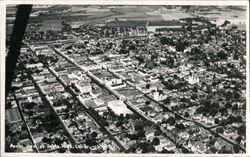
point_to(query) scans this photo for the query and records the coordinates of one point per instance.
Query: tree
(73, 123)
(141, 133)
(155, 141)
(8, 105)
(133, 137)
(194, 96)
(167, 101)
(94, 134)
(75, 150)
(213, 111)
(138, 125)
(87, 150)
(132, 149)
(213, 149)
(90, 142)
(157, 132)
(69, 105)
(180, 46)
(189, 27)
(216, 120)
(220, 130)
(147, 103)
(231, 118)
(62, 150)
(184, 150)
(119, 123)
(23, 127)
(235, 107)
(168, 84)
(236, 148)
(223, 110)
(228, 94)
(236, 94)
(183, 99)
(47, 140)
(58, 142)
(225, 150)
(236, 56)
(23, 135)
(147, 86)
(242, 130)
(239, 119)
(150, 148)
(186, 114)
(29, 106)
(226, 22)
(165, 151)
(200, 109)
(180, 126)
(238, 139)
(30, 113)
(171, 120)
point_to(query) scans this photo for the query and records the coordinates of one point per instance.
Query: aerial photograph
(118, 79)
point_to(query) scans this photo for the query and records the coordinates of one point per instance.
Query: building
(143, 73)
(34, 65)
(158, 26)
(12, 115)
(159, 96)
(112, 81)
(83, 86)
(118, 107)
(193, 79)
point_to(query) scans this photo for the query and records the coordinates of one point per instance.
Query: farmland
(54, 25)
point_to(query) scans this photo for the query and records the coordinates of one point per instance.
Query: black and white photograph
(125, 78)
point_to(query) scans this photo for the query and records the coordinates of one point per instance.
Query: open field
(54, 25)
(219, 15)
(174, 15)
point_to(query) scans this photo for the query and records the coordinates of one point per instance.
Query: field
(133, 9)
(83, 14)
(233, 14)
(174, 15)
(54, 25)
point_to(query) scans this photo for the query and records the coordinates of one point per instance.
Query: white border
(248, 86)
(2, 73)
(3, 4)
(130, 2)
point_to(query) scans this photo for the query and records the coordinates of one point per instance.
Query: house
(170, 146)
(201, 147)
(184, 135)
(99, 102)
(142, 72)
(229, 132)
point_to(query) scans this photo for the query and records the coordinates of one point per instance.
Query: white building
(159, 96)
(112, 81)
(193, 79)
(34, 65)
(83, 86)
(118, 107)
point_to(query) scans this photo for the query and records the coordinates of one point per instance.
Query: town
(129, 86)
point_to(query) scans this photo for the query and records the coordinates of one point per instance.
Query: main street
(137, 110)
